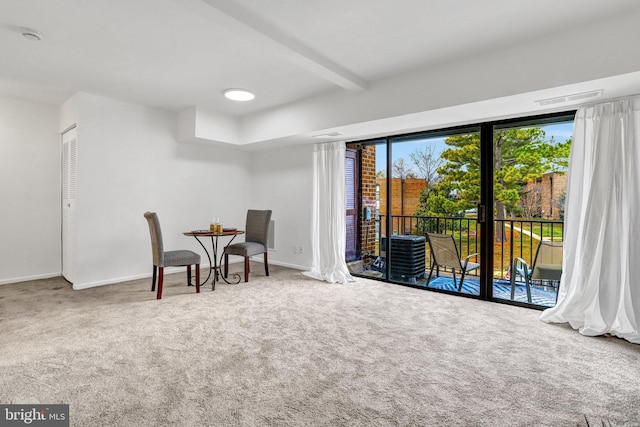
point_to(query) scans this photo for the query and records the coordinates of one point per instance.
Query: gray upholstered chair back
(257, 227)
(157, 248)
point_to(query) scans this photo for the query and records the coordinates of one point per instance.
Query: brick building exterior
(368, 189)
(543, 196)
(405, 194)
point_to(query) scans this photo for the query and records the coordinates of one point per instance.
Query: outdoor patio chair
(547, 265)
(444, 253)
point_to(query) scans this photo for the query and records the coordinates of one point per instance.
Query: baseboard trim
(286, 264)
(29, 278)
(79, 286)
(260, 259)
(168, 270)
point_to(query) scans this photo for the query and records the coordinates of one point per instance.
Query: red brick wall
(405, 199)
(551, 187)
(368, 189)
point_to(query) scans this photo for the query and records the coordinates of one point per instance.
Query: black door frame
(485, 208)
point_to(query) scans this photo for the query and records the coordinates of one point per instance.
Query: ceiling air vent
(327, 135)
(569, 98)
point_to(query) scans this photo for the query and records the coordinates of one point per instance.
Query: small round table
(216, 264)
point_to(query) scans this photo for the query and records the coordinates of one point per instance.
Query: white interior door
(69, 194)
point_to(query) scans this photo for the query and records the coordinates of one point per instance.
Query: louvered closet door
(69, 193)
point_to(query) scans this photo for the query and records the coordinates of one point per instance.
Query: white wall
(130, 161)
(282, 180)
(29, 191)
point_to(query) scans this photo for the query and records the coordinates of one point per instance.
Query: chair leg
(266, 264)
(189, 275)
(246, 269)
(527, 282)
(197, 278)
(226, 265)
(153, 280)
(160, 281)
(461, 281)
(433, 264)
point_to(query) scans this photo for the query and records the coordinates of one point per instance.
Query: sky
(560, 132)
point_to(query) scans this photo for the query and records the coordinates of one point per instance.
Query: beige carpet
(290, 351)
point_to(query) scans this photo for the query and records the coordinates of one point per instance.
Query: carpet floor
(287, 350)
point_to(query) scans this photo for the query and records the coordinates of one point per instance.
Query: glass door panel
(371, 185)
(435, 188)
(530, 165)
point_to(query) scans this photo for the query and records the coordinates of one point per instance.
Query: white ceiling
(179, 54)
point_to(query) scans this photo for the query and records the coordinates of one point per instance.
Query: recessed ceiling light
(30, 34)
(239, 94)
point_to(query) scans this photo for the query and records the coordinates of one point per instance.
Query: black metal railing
(513, 237)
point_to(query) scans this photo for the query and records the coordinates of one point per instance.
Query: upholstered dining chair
(162, 259)
(255, 241)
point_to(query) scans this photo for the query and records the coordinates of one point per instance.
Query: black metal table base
(215, 266)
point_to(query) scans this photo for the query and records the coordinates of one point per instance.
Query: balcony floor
(501, 289)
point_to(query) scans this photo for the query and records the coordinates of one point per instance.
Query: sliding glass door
(368, 214)
(530, 164)
(435, 190)
(491, 194)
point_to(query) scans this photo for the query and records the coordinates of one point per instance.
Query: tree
(520, 155)
(531, 203)
(560, 204)
(402, 170)
(427, 161)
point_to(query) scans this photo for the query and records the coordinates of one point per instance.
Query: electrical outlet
(294, 249)
(300, 250)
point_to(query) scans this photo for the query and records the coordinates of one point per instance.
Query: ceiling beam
(298, 52)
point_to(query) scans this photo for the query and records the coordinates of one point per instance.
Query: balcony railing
(519, 237)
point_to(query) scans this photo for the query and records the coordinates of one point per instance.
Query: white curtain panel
(600, 286)
(329, 211)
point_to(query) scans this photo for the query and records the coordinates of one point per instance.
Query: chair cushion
(180, 258)
(246, 249)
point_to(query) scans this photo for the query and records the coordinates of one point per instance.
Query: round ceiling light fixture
(30, 34)
(239, 94)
